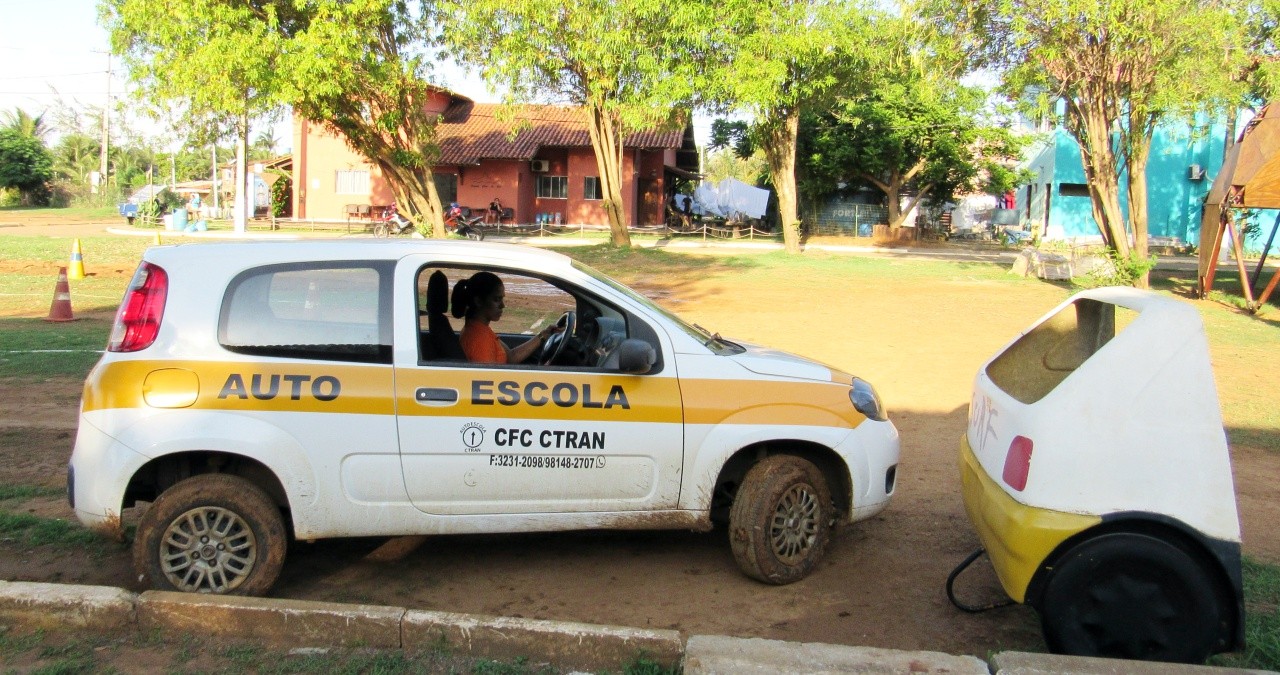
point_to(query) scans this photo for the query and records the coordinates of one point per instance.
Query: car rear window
(1040, 360)
(337, 312)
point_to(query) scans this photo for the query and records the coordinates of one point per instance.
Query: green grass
(29, 531)
(22, 492)
(1262, 620)
(65, 652)
(19, 213)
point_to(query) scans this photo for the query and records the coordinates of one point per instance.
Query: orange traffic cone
(60, 310)
(77, 262)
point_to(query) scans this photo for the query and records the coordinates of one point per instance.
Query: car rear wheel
(1133, 596)
(212, 533)
(779, 524)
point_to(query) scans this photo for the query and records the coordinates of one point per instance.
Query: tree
(1119, 67)
(630, 64)
(726, 163)
(357, 67)
(22, 122)
(906, 135)
(216, 57)
(361, 69)
(25, 165)
(786, 56)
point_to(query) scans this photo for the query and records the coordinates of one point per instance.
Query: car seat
(441, 342)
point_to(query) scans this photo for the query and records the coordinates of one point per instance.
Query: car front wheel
(779, 524)
(212, 533)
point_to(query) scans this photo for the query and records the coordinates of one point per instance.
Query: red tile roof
(470, 132)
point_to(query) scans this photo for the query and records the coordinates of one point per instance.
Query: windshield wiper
(712, 337)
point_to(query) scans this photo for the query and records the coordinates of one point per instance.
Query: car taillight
(1018, 463)
(138, 319)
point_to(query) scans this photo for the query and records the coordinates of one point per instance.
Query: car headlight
(866, 401)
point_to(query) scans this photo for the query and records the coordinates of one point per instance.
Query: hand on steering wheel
(554, 344)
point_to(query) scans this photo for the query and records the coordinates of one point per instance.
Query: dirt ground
(881, 583)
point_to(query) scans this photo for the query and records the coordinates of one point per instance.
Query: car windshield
(712, 341)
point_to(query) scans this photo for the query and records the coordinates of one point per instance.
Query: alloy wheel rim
(795, 524)
(208, 550)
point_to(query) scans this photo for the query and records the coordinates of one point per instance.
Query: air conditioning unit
(540, 165)
(1195, 172)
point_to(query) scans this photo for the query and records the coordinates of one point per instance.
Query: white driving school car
(254, 392)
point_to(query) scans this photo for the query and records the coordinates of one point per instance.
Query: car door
(499, 439)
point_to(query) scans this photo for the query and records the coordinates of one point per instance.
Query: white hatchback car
(256, 391)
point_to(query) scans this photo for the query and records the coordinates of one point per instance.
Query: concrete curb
(304, 623)
(572, 645)
(715, 654)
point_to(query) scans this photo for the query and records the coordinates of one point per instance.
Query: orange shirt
(481, 344)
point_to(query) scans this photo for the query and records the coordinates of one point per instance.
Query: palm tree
(25, 124)
(75, 157)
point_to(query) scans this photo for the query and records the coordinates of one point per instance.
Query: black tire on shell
(1134, 596)
(780, 522)
(219, 533)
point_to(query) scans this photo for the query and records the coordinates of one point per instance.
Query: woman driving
(481, 300)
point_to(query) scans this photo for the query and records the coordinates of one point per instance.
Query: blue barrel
(179, 219)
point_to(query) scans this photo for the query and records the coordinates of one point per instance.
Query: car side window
(531, 304)
(331, 312)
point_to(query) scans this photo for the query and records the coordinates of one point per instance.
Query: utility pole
(213, 175)
(106, 128)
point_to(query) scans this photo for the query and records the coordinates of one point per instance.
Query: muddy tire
(779, 525)
(213, 533)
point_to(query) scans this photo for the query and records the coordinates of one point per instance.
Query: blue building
(1183, 163)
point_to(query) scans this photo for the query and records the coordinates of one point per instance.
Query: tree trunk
(1139, 153)
(1229, 139)
(1092, 128)
(606, 142)
(780, 152)
(893, 198)
(241, 204)
(415, 190)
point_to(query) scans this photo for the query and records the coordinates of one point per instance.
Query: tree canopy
(1120, 67)
(785, 56)
(25, 165)
(355, 66)
(910, 138)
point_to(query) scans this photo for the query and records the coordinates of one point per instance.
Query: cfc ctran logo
(472, 436)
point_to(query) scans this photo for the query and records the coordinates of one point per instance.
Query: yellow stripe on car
(1017, 537)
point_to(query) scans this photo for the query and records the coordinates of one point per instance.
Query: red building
(536, 159)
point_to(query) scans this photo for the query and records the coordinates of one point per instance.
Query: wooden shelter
(1250, 178)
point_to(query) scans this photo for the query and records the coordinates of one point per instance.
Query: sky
(51, 49)
(56, 48)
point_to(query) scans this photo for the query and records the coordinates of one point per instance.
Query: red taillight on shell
(138, 319)
(1017, 463)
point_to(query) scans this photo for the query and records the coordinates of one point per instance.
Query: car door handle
(435, 396)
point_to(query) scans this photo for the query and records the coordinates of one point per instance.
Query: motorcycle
(459, 220)
(392, 223)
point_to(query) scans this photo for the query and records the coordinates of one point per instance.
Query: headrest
(437, 293)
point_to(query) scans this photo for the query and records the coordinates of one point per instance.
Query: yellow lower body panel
(1017, 537)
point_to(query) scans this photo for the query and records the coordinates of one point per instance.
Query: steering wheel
(554, 345)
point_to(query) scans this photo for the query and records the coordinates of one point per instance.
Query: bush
(1117, 270)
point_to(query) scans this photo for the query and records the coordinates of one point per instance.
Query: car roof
(265, 252)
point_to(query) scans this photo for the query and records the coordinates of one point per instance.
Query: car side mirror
(636, 357)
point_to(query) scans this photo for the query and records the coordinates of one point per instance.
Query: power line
(36, 77)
